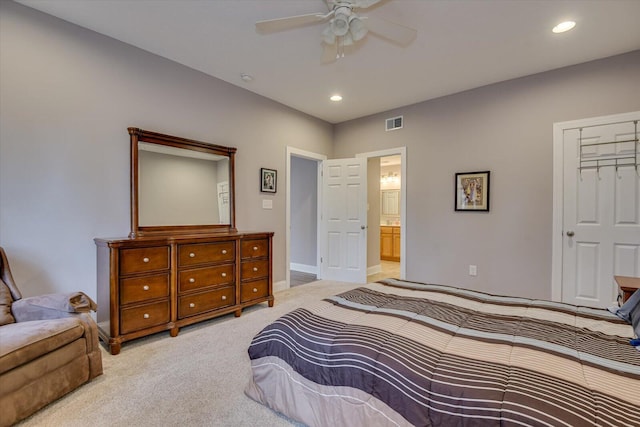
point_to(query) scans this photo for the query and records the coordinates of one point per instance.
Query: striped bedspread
(398, 353)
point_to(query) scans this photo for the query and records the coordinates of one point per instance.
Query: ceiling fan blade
(280, 24)
(363, 4)
(355, 4)
(329, 53)
(391, 31)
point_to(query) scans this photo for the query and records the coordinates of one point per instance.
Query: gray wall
(68, 96)
(505, 128)
(304, 211)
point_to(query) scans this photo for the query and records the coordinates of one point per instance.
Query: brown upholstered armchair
(48, 347)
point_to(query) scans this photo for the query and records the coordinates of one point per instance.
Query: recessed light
(336, 98)
(246, 77)
(564, 26)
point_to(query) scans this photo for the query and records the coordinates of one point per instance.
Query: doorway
(386, 215)
(302, 217)
(384, 210)
(301, 272)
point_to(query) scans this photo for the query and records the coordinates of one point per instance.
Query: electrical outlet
(473, 270)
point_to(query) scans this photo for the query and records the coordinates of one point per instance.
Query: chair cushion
(5, 304)
(23, 342)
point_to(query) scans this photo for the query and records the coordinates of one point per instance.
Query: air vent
(394, 123)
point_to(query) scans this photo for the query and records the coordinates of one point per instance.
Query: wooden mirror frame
(138, 135)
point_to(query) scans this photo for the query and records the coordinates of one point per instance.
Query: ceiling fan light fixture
(328, 37)
(357, 28)
(340, 21)
(340, 25)
(346, 40)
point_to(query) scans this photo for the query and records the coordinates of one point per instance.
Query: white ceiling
(461, 44)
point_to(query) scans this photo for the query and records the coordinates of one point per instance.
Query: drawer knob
(145, 287)
(192, 280)
(192, 305)
(255, 268)
(146, 315)
(255, 290)
(224, 274)
(224, 252)
(192, 255)
(224, 297)
(255, 248)
(145, 259)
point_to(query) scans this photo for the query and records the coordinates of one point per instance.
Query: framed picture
(268, 180)
(472, 191)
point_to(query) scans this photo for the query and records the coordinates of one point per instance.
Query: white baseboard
(280, 286)
(311, 269)
(374, 269)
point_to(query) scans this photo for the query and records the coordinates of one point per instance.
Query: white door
(344, 220)
(601, 211)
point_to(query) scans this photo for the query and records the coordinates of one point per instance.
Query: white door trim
(558, 189)
(296, 152)
(402, 152)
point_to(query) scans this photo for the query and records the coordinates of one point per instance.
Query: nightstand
(627, 286)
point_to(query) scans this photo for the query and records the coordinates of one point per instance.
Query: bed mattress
(398, 353)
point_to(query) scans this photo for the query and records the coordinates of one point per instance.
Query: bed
(399, 353)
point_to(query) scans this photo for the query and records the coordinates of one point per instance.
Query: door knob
(362, 227)
(570, 233)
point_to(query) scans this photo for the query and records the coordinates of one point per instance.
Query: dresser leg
(271, 302)
(174, 332)
(237, 313)
(114, 348)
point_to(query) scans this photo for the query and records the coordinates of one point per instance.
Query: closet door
(601, 211)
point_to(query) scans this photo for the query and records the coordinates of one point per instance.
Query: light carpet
(195, 379)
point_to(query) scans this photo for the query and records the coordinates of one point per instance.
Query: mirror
(390, 201)
(180, 185)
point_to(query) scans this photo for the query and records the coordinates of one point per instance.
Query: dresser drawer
(203, 253)
(136, 289)
(254, 248)
(136, 318)
(190, 305)
(254, 269)
(141, 260)
(253, 290)
(197, 278)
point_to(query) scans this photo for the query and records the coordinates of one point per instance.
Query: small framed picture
(472, 191)
(268, 180)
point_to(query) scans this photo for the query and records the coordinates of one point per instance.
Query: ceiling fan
(345, 27)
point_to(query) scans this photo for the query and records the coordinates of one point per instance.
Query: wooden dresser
(152, 284)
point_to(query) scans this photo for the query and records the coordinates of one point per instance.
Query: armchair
(48, 347)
